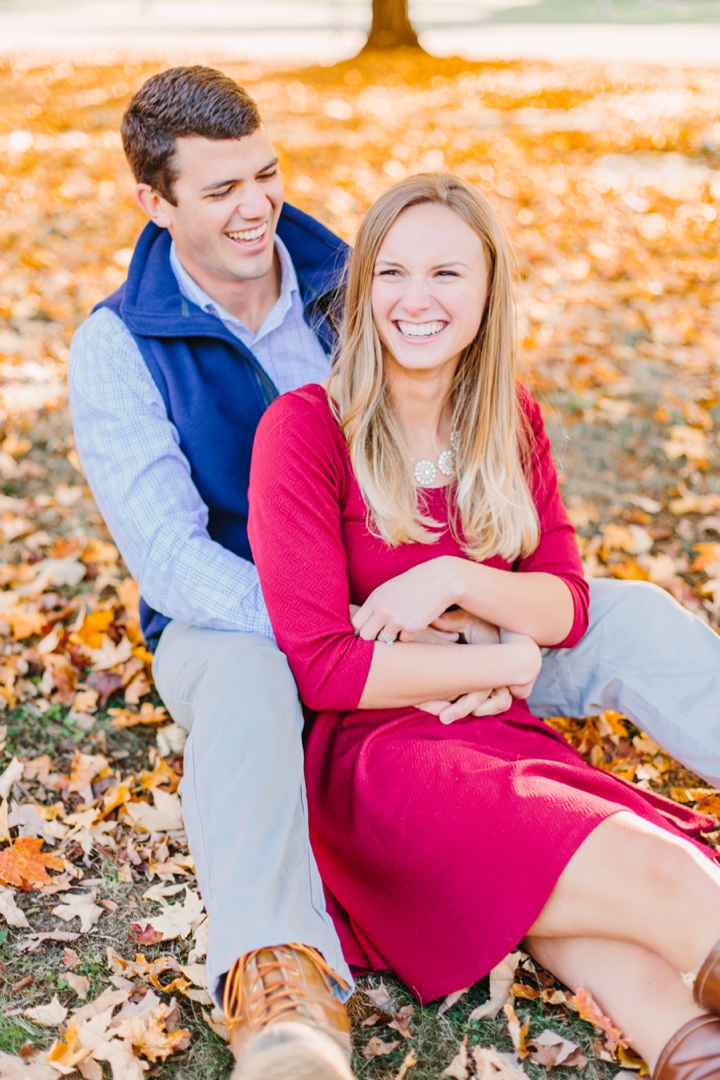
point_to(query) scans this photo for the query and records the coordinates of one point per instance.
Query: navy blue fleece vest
(214, 389)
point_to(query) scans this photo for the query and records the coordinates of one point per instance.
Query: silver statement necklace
(425, 471)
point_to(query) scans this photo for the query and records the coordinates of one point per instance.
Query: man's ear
(154, 205)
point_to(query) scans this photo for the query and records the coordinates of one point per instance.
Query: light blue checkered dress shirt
(140, 478)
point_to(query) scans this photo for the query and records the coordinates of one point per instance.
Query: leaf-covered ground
(608, 179)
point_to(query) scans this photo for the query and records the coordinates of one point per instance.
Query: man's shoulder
(296, 220)
(101, 328)
(104, 354)
(318, 255)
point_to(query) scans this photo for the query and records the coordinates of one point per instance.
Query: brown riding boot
(693, 1053)
(284, 1021)
(707, 982)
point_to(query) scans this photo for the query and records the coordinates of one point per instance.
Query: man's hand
(474, 631)
(409, 602)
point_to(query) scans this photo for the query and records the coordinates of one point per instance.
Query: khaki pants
(243, 793)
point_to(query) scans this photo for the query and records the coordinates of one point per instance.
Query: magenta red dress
(438, 846)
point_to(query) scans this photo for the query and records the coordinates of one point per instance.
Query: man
(228, 302)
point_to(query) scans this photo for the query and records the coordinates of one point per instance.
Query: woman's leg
(637, 989)
(633, 881)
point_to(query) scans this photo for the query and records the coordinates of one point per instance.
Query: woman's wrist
(461, 577)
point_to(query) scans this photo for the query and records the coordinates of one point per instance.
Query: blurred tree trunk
(391, 27)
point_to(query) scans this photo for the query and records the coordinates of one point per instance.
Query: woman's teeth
(420, 329)
(249, 234)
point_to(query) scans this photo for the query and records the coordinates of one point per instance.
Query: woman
(448, 823)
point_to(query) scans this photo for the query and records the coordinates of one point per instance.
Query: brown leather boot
(693, 1053)
(707, 982)
(284, 1021)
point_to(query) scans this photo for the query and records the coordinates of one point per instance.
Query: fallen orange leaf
(93, 627)
(24, 864)
(590, 1011)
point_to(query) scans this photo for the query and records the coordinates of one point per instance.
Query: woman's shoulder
(308, 405)
(528, 406)
(305, 416)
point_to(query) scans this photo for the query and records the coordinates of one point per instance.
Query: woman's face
(429, 287)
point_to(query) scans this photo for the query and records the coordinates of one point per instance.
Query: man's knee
(640, 626)
(630, 608)
(221, 677)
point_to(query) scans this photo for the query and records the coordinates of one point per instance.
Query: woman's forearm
(539, 605)
(406, 674)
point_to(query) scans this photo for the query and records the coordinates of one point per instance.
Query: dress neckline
(320, 392)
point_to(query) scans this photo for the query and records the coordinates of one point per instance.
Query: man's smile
(248, 236)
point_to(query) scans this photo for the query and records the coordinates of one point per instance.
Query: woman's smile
(420, 332)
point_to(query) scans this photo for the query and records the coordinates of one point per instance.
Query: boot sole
(293, 1051)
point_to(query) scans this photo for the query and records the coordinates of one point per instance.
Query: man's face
(229, 195)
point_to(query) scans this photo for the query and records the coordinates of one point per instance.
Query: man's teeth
(420, 329)
(249, 234)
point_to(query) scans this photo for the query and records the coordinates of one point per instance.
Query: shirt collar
(196, 295)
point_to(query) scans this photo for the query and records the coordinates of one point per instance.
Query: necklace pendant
(446, 463)
(425, 473)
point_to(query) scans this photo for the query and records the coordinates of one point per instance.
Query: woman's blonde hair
(495, 511)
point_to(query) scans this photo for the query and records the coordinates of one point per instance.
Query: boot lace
(269, 1001)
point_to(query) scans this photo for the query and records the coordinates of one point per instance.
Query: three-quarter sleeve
(557, 552)
(296, 486)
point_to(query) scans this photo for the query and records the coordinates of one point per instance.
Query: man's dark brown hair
(175, 104)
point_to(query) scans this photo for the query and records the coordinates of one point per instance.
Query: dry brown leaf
(451, 1000)
(85, 701)
(85, 768)
(105, 1003)
(4, 823)
(375, 1047)
(164, 816)
(33, 942)
(216, 1023)
(16, 1068)
(458, 1067)
(688, 442)
(401, 1021)
(518, 1031)
(502, 977)
(490, 1064)
(11, 913)
(550, 1049)
(80, 907)
(122, 1060)
(150, 1036)
(149, 714)
(90, 1069)
(409, 1063)
(51, 1015)
(137, 688)
(11, 775)
(79, 983)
